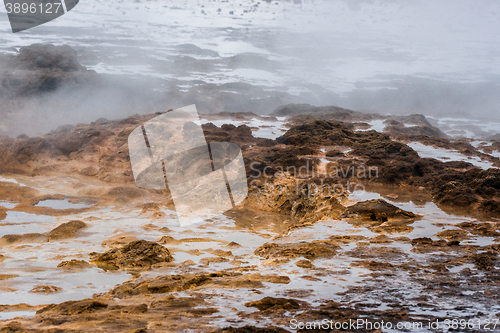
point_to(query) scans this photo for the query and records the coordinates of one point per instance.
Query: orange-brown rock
(66, 230)
(139, 254)
(311, 250)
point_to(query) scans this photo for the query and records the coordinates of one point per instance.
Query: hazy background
(438, 58)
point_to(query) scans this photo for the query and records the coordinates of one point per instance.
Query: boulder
(66, 230)
(140, 254)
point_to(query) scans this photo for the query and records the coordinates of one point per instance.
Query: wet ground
(81, 248)
(375, 270)
(436, 266)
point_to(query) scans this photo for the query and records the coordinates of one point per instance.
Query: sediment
(164, 294)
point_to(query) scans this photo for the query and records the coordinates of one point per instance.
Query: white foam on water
(376, 125)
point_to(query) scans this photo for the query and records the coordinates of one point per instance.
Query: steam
(110, 99)
(434, 58)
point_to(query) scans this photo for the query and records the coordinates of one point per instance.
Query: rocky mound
(241, 135)
(273, 304)
(311, 250)
(181, 282)
(395, 125)
(66, 230)
(333, 112)
(375, 145)
(302, 201)
(41, 68)
(398, 129)
(454, 184)
(100, 150)
(74, 264)
(139, 254)
(63, 231)
(377, 210)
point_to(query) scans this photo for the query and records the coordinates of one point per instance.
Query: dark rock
(62, 58)
(271, 303)
(377, 210)
(374, 265)
(267, 161)
(426, 244)
(334, 153)
(40, 68)
(484, 229)
(485, 260)
(296, 109)
(317, 133)
(304, 264)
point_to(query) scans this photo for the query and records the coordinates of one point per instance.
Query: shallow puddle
(329, 278)
(261, 128)
(75, 285)
(446, 155)
(62, 204)
(15, 314)
(376, 125)
(7, 204)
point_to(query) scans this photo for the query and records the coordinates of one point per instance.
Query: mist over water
(398, 57)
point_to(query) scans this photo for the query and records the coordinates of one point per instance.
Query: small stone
(46, 290)
(74, 264)
(304, 264)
